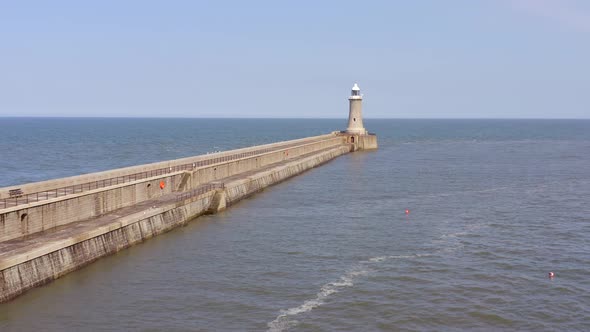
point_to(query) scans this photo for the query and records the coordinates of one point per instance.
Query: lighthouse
(356, 136)
(355, 113)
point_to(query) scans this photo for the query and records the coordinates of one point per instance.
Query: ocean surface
(494, 206)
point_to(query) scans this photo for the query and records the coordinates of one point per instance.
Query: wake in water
(285, 321)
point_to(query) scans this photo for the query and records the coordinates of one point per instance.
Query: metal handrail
(78, 188)
(199, 191)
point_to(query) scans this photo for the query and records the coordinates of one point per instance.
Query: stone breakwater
(50, 228)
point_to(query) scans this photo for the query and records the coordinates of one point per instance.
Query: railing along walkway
(27, 244)
(23, 198)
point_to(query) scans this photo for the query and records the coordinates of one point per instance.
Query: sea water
(494, 206)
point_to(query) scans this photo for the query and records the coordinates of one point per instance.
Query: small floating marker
(551, 275)
(407, 211)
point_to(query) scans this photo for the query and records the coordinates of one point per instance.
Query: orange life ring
(162, 184)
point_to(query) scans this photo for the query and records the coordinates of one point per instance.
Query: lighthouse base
(359, 142)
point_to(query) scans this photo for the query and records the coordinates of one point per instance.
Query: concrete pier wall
(240, 188)
(41, 216)
(27, 269)
(27, 219)
(23, 273)
(360, 142)
(168, 166)
(367, 142)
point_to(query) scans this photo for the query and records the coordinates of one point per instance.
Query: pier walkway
(17, 251)
(18, 198)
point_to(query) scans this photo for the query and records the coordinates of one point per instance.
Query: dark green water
(494, 206)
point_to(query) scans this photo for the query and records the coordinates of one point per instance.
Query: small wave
(384, 258)
(284, 321)
(378, 259)
(453, 235)
(451, 249)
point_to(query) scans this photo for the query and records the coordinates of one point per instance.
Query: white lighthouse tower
(355, 113)
(356, 134)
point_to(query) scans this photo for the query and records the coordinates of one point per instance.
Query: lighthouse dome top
(356, 92)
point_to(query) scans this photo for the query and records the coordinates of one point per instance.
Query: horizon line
(280, 118)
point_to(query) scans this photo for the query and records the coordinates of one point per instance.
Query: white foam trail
(453, 235)
(384, 258)
(284, 321)
(377, 259)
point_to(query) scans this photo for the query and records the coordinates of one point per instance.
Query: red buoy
(407, 211)
(551, 274)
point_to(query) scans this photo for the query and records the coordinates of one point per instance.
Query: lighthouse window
(354, 119)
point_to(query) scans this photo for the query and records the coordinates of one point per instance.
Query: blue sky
(412, 59)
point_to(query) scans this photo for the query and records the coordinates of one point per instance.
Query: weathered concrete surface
(163, 165)
(27, 262)
(360, 142)
(367, 142)
(38, 216)
(38, 263)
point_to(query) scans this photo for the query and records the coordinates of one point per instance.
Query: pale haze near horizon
(412, 59)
